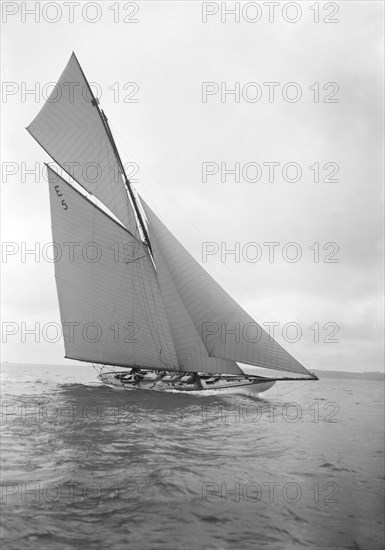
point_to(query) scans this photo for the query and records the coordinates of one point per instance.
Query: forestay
(110, 303)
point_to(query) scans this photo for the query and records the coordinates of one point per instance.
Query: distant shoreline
(370, 375)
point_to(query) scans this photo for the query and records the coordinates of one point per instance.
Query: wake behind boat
(132, 299)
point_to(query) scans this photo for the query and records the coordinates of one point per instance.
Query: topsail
(71, 129)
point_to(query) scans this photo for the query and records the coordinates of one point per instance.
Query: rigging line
(127, 182)
(93, 278)
(136, 259)
(170, 351)
(142, 293)
(163, 327)
(186, 311)
(242, 284)
(160, 293)
(98, 150)
(133, 296)
(95, 369)
(147, 313)
(167, 272)
(116, 179)
(294, 389)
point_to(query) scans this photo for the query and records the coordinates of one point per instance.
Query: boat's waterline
(196, 384)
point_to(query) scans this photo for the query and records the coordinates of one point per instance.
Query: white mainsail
(71, 129)
(226, 330)
(110, 304)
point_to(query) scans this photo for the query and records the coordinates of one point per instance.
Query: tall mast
(125, 178)
(103, 116)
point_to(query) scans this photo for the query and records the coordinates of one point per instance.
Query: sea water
(87, 466)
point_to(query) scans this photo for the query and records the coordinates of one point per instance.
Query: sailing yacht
(133, 302)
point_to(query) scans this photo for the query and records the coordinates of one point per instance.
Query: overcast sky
(170, 132)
